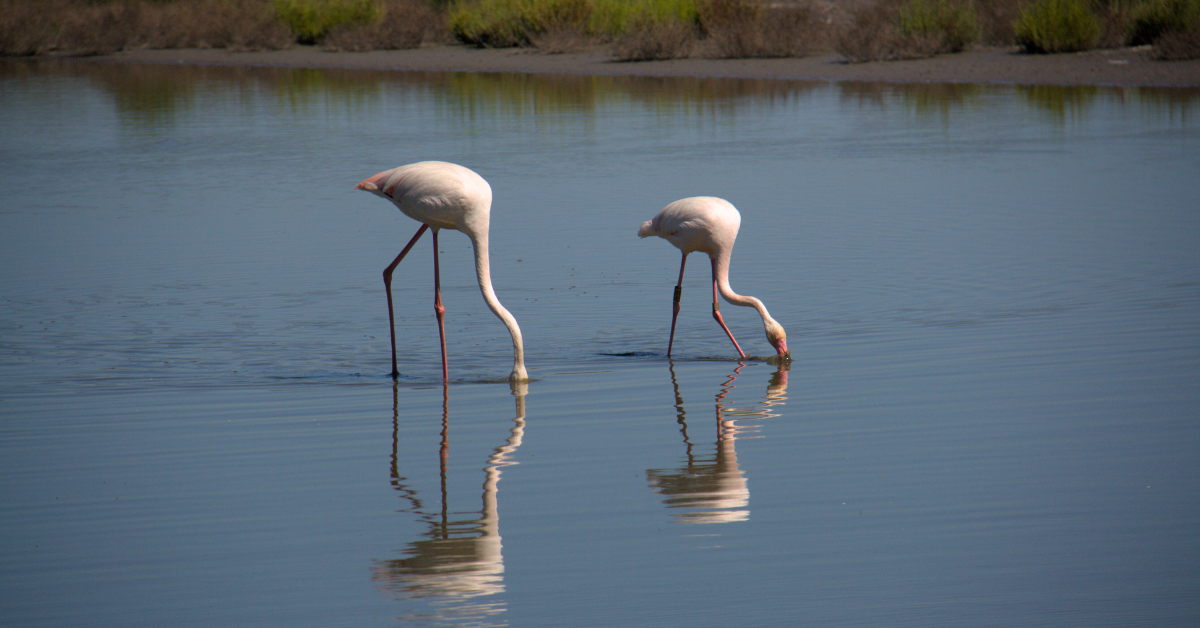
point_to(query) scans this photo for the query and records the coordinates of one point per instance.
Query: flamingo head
(374, 184)
(647, 229)
(778, 338)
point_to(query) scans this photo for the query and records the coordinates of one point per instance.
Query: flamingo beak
(781, 348)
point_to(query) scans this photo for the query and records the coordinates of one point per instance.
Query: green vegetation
(632, 29)
(500, 23)
(1057, 26)
(907, 29)
(311, 20)
(948, 26)
(1154, 18)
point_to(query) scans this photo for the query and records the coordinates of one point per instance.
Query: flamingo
(442, 195)
(710, 225)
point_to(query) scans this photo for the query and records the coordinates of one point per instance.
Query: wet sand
(1116, 67)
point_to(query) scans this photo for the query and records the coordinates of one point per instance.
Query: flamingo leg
(717, 313)
(438, 308)
(387, 284)
(675, 307)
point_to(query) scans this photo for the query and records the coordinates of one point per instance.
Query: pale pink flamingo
(441, 195)
(709, 225)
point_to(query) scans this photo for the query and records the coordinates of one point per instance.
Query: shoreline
(1121, 67)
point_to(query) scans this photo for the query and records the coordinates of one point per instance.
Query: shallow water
(992, 296)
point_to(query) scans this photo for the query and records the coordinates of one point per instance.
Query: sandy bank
(1120, 67)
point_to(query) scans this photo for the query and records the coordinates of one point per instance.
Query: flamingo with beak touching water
(710, 225)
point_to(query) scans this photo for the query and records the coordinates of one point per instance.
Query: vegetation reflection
(711, 487)
(458, 564)
(156, 94)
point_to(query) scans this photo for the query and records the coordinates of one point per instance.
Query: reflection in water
(712, 487)
(921, 98)
(459, 560)
(1063, 102)
(154, 94)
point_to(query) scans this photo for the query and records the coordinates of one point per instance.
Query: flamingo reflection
(458, 560)
(711, 487)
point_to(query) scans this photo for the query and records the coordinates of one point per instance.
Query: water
(992, 295)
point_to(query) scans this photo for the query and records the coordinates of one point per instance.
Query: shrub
(562, 37)
(310, 20)
(870, 35)
(950, 26)
(231, 24)
(907, 29)
(614, 18)
(405, 24)
(505, 23)
(663, 40)
(1057, 26)
(502, 23)
(1178, 46)
(996, 18)
(745, 28)
(98, 26)
(1155, 18)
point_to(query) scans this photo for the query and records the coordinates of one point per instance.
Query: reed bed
(632, 30)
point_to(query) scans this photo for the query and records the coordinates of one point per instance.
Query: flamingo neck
(775, 333)
(721, 275)
(483, 273)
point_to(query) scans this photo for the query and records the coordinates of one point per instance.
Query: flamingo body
(442, 195)
(702, 223)
(710, 225)
(439, 194)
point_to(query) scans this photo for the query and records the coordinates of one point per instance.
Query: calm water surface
(992, 295)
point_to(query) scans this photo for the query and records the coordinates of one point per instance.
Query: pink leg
(675, 307)
(438, 308)
(717, 313)
(387, 284)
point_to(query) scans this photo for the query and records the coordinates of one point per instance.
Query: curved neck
(720, 266)
(483, 273)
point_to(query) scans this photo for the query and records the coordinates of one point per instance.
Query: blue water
(992, 296)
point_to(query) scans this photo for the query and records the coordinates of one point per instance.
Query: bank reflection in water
(459, 560)
(711, 488)
(154, 95)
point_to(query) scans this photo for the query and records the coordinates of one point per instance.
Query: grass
(503, 23)
(311, 20)
(632, 29)
(1154, 19)
(948, 25)
(740, 29)
(909, 29)
(656, 40)
(35, 27)
(29, 27)
(1057, 26)
(403, 24)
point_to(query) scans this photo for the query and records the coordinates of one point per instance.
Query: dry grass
(1178, 46)
(908, 29)
(872, 35)
(861, 30)
(562, 37)
(742, 29)
(34, 27)
(405, 24)
(996, 18)
(664, 40)
(88, 27)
